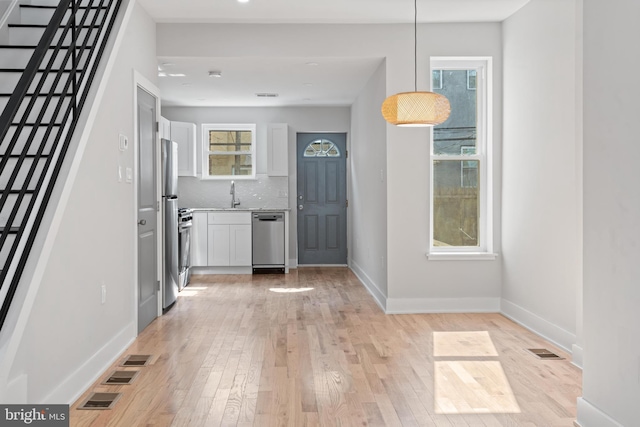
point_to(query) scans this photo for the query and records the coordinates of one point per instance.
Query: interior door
(322, 198)
(147, 210)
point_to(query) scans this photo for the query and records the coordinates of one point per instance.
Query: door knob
(142, 222)
(300, 207)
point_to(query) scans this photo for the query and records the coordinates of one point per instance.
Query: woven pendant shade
(416, 109)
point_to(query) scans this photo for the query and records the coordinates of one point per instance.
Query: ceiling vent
(267, 95)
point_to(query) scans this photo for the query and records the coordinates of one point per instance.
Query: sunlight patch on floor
(466, 380)
(463, 344)
(290, 290)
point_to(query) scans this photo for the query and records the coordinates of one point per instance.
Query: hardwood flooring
(312, 348)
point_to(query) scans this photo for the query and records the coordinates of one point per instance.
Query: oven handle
(186, 225)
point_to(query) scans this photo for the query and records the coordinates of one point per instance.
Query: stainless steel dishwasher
(268, 242)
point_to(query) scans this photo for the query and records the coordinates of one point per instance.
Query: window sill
(461, 256)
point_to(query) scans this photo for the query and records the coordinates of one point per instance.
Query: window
(321, 148)
(228, 151)
(460, 161)
(436, 77)
(471, 79)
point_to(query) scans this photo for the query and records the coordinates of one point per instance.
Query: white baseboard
(576, 355)
(82, 378)
(547, 330)
(590, 416)
(442, 305)
(293, 262)
(369, 284)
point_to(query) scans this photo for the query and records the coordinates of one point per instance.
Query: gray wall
(541, 211)
(368, 189)
(611, 379)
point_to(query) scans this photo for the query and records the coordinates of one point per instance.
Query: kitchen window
(228, 151)
(460, 200)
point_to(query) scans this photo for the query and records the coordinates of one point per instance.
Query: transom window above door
(321, 148)
(228, 151)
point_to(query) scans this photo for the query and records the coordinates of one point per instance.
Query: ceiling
(296, 81)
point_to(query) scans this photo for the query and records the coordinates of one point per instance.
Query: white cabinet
(229, 239)
(165, 128)
(185, 135)
(277, 149)
(199, 239)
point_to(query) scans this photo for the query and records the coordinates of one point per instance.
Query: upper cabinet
(277, 149)
(185, 135)
(165, 128)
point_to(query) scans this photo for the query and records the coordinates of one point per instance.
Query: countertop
(240, 209)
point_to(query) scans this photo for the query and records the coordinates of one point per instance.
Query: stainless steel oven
(185, 222)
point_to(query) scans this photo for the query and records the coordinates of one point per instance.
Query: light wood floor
(312, 348)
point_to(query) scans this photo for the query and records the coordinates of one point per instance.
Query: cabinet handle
(142, 222)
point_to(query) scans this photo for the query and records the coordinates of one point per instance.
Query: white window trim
(206, 127)
(440, 80)
(484, 153)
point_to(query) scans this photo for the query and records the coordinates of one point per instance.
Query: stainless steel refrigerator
(170, 229)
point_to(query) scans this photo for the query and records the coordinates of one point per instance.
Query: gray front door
(322, 198)
(147, 208)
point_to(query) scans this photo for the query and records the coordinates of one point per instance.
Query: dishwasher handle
(268, 217)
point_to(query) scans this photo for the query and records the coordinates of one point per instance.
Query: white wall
(368, 190)
(414, 283)
(70, 337)
(611, 379)
(298, 119)
(541, 212)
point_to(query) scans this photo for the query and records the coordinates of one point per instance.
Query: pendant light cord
(415, 45)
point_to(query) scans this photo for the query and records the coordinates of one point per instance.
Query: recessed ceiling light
(161, 74)
(177, 75)
(168, 64)
(267, 95)
(312, 64)
(243, 1)
(215, 73)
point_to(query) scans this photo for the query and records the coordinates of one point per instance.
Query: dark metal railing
(36, 148)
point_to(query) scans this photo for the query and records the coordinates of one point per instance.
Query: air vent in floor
(100, 401)
(545, 354)
(121, 377)
(136, 360)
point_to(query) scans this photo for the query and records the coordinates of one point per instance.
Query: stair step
(38, 105)
(9, 80)
(23, 139)
(18, 56)
(28, 156)
(35, 14)
(12, 230)
(28, 34)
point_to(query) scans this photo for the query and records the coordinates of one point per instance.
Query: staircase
(46, 71)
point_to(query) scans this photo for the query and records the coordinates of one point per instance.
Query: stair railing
(72, 49)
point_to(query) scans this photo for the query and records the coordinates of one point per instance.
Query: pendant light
(416, 108)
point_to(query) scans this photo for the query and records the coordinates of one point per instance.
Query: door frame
(294, 195)
(139, 81)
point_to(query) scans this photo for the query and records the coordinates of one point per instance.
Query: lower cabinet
(224, 239)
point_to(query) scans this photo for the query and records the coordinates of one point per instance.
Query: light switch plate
(123, 142)
(129, 174)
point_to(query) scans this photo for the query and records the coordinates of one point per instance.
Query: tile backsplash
(262, 192)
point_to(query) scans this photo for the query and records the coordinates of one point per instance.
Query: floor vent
(121, 377)
(543, 353)
(136, 360)
(100, 401)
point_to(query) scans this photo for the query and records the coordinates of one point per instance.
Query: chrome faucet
(234, 202)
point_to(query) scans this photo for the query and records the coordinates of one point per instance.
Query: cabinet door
(185, 135)
(277, 149)
(240, 245)
(199, 237)
(165, 128)
(218, 245)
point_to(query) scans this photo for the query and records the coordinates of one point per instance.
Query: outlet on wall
(103, 293)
